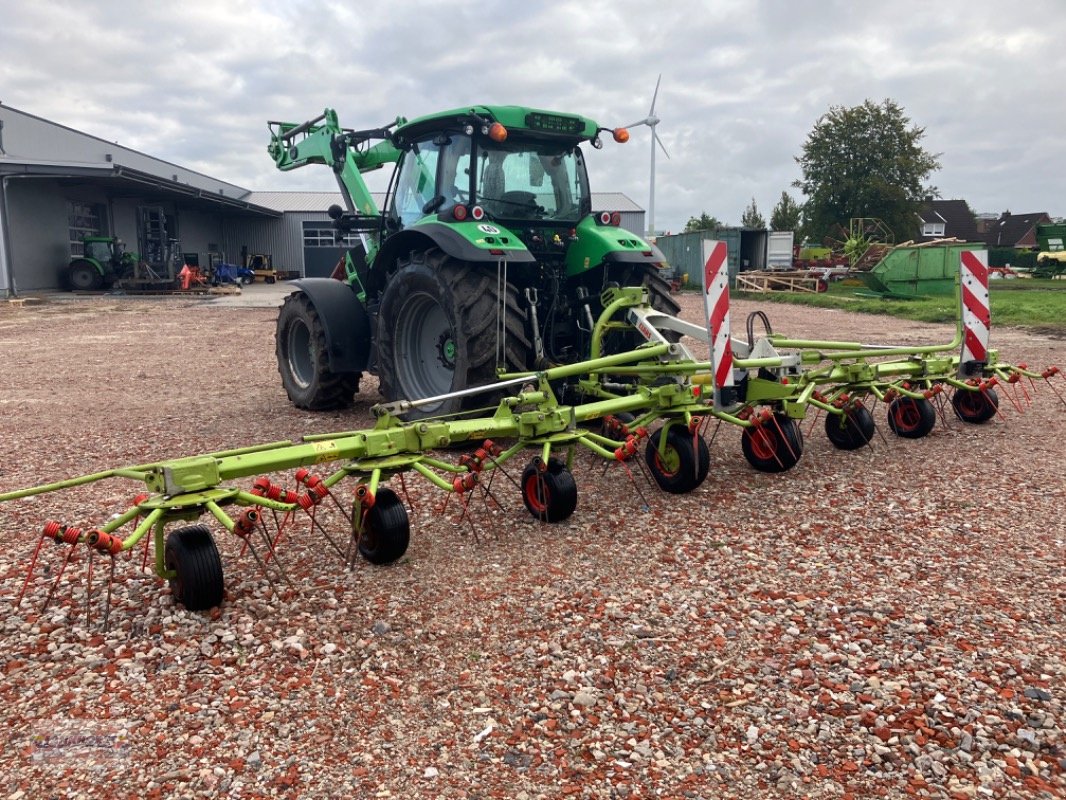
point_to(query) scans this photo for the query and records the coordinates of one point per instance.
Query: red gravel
(888, 622)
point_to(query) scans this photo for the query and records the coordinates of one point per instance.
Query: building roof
(956, 215)
(1014, 230)
(319, 202)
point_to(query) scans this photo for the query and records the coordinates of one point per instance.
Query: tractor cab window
(416, 182)
(531, 180)
(454, 171)
(100, 251)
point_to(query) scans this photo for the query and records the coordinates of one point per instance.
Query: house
(946, 219)
(1013, 230)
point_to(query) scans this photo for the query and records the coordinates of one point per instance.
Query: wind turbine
(651, 121)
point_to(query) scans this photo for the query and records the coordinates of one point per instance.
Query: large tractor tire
(83, 276)
(303, 359)
(437, 332)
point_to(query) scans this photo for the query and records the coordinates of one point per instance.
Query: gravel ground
(888, 622)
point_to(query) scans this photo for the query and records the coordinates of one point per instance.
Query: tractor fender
(453, 243)
(345, 322)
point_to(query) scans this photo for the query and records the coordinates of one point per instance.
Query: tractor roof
(533, 121)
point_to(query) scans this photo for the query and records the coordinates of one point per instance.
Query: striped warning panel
(716, 304)
(976, 316)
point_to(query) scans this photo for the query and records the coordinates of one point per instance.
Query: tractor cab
(104, 250)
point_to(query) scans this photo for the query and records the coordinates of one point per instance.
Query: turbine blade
(638, 122)
(660, 141)
(651, 112)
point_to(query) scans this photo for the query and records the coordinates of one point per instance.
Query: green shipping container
(684, 253)
(917, 271)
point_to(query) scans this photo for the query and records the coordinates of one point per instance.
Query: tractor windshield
(526, 180)
(98, 250)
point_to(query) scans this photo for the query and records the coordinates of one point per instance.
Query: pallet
(20, 302)
(776, 282)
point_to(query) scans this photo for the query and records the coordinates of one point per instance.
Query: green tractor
(104, 261)
(486, 259)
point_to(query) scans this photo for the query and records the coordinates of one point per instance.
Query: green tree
(865, 161)
(786, 215)
(751, 217)
(702, 223)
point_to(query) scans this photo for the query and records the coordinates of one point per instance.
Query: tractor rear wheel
(437, 332)
(549, 495)
(191, 554)
(774, 446)
(975, 407)
(303, 359)
(83, 276)
(683, 463)
(386, 531)
(910, 417)
(850, 430)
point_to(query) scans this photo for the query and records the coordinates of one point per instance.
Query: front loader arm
(323, 141)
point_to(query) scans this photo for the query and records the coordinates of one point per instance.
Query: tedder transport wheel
(973, 406)
(191, 553)
(84, 277)
(911, 418)
(303, 359)
(850, 430)
(437, 332)
(550, 495)
(386, 530)
(774, 446)
(683, 463)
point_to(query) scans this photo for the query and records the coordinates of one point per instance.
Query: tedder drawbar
(656, 396)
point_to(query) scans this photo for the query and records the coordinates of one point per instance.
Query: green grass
(1036, 304)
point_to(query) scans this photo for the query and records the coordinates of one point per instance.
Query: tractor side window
(417, 182)
(455, 172)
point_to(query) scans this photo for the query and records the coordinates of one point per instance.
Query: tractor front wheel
(773, 446)
(911, 417)
(549, 494)
(437, 333)
(84, 277)
(386, 531)
(682, 463)
(303, 359)
(975, 407)
(190, 553)
(851, 429)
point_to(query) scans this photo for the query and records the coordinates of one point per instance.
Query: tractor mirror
(536, 171)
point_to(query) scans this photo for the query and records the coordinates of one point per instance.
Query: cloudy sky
(743, 82)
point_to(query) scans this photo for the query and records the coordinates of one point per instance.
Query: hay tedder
(656, 397)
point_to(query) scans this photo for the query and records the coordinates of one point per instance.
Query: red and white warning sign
(716, 304)
(976, 316)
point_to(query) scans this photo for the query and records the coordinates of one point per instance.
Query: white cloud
(743, 82)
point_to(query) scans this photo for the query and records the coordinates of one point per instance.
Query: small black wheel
(910, 417)
(774, 446)
(683, 463)
(83, 276)
(850, 430)
(550, 495)
(247, 279)
(191, 554)
(270, 279)
(386, 530)
(975, 407)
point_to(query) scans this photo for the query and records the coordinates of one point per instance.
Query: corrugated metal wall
(282, 239)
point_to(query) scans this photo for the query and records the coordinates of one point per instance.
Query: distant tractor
(104, 261)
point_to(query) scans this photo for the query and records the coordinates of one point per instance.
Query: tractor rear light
(621, 135)
(616, 218)
(477, 212)
(495, 252)
(604, 218)
(497, 132)
(459, 212)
